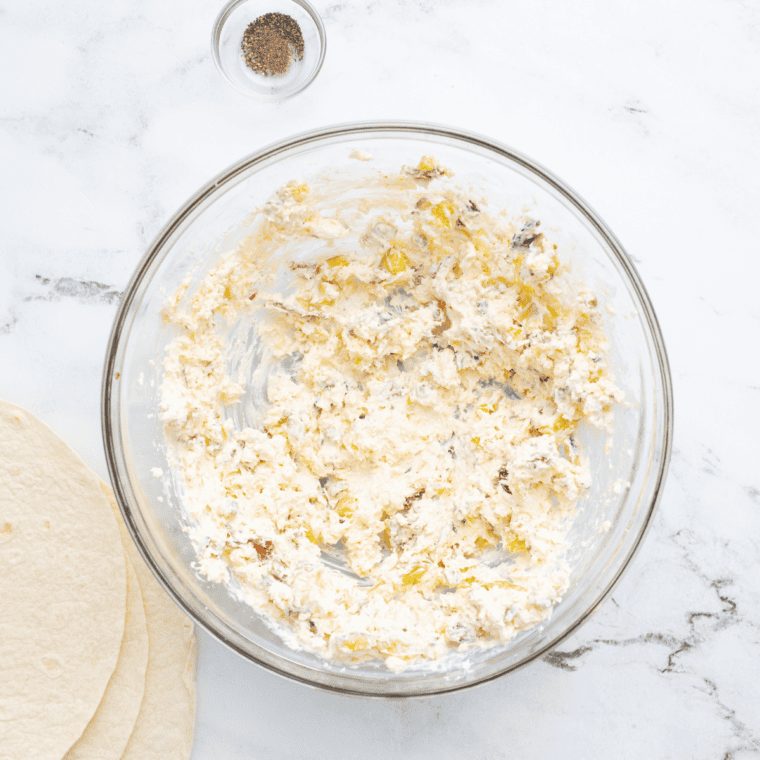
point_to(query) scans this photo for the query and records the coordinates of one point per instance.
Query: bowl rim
(110, 424)
(216, 33)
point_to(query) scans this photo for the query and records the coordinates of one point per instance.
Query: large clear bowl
(628, 473)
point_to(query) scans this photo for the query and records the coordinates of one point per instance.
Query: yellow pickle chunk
(395, 261)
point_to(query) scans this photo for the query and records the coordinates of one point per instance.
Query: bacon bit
(262, 550)
(410, 499)
(503, 475)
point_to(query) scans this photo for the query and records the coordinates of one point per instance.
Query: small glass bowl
(226, 39)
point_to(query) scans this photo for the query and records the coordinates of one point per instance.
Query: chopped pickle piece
(394, 261)
(356, 644)
(552, 313)
(443, 212)
(338, 261)
(345, 505)
(525, 297)
(414, 576)
(482, 245)
(299, 192)
(500, 584)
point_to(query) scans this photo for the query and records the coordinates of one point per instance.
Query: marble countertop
(112, 115)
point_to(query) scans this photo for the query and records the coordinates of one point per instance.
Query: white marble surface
(112, 114)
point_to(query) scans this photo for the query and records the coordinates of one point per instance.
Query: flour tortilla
(107, 734)
(63, 591)
(164, 726)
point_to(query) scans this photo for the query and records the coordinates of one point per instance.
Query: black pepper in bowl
(272, 43)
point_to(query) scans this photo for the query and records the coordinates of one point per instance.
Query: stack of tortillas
(96, 661)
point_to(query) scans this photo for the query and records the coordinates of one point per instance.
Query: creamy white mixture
(435, 359)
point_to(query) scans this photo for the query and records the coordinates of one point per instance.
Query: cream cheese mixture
(407, 489)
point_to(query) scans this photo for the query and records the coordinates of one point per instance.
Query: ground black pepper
(271, 43)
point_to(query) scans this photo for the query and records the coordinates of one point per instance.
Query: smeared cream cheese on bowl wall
(372, 402)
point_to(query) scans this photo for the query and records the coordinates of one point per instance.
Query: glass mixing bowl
(627, 476)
